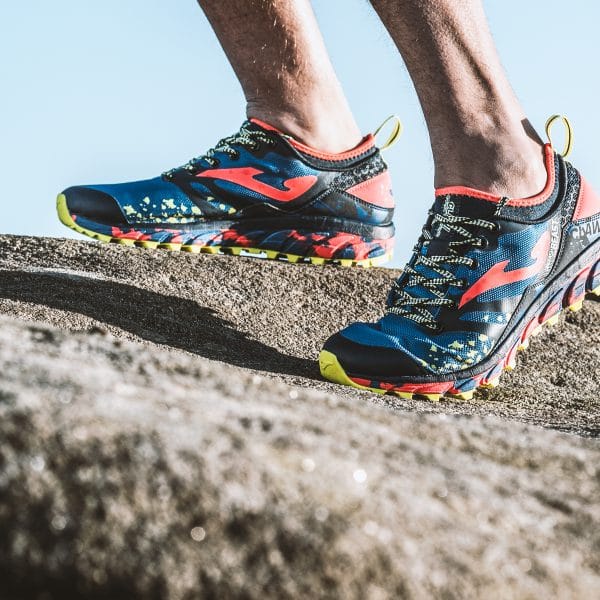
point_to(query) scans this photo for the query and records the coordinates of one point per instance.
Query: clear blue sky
(119, 90)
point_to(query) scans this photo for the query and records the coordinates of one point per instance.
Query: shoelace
(418, 308)
(245, 137)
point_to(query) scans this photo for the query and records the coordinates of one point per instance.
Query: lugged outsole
(571, 300)
(66, 219)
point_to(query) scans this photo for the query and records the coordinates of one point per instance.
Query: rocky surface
(138, 460)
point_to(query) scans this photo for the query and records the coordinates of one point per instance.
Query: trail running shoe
(258, 191)
(486, 273)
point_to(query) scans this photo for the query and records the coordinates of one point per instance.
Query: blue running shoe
(259, 192)
(486, 273)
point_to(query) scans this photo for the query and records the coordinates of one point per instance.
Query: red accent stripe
(497, 276)
(588, 203)
(245, 177)
(376, 191)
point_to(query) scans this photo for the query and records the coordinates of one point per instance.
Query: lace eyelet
(474, 264)
(483, 243)
(235, 156)
(437, 328)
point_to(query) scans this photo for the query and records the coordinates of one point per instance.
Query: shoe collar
(365, 145)
(550, 159)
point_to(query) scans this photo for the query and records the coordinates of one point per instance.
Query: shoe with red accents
(487, 272)
(258, 192)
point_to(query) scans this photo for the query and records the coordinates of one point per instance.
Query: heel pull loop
(395, 134)
(568, 133)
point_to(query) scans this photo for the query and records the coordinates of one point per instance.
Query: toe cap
(94, 205)
(372, 362)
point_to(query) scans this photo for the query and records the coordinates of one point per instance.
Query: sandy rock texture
(164, 434)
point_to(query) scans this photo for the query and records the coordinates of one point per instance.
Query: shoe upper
(256, 173)
(479, 265)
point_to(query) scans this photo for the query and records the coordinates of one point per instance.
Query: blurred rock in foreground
(132, 472)
(164, 433)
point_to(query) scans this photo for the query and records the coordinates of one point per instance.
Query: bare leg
(479, 133)
(278, 54)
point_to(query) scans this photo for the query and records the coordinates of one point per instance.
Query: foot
(487, 272)
(258, 191)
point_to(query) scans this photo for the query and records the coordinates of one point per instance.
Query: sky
(99, 92)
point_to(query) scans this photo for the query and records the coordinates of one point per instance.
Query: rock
(273, 318)
(135, 463)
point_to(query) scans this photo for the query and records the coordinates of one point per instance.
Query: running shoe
(486, 273)
(258, 191)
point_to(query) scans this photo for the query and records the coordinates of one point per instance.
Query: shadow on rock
(168, 320)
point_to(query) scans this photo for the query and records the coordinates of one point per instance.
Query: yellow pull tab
(568, 131)
(396, 132)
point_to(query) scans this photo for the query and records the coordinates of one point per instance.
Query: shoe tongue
(465, 205)
(458, 205)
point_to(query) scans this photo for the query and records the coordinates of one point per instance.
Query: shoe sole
(67, 219)
(569, 297)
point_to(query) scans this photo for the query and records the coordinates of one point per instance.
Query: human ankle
(320, 129)
(504, 163)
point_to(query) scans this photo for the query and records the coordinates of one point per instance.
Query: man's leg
(479, 134)
(280, 59)
(513, 236)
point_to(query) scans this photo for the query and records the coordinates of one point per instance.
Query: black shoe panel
(94, 205)
(371, 362)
